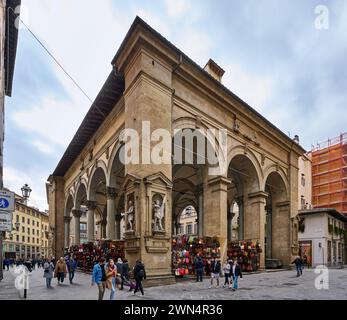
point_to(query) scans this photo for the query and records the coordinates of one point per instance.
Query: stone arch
(81, 195)
(98, 171)
(184, 123)
(114, 161)
(250, 155)
(278, 220)
(275, 169)
(69, 204)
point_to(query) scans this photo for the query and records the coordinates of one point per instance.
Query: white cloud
(43, 147)
(177, 8)
(252, 88)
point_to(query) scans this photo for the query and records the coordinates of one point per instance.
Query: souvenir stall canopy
(185, 250)
(88, 254)
(247, 254)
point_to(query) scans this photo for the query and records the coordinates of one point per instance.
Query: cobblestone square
(281, 285)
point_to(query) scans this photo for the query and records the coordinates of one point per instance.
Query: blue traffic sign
(4, 203)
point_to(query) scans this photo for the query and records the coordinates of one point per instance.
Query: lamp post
(26, 190)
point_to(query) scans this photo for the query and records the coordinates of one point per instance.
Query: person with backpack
(99, 277)
(298, 265)
(139, 275)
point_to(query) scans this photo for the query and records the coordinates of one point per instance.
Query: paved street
(263, 286)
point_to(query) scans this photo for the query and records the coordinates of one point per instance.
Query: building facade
(322, 236)
(29, 237)
(188, 224)
(153, 85)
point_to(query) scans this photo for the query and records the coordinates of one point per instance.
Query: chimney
(214, 70)
(296, 139)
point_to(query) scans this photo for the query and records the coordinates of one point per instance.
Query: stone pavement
(281, 285)
(7, 288)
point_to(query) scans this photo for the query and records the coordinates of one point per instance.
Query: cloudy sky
(274, 56)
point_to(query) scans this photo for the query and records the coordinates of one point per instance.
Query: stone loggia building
(153, 81)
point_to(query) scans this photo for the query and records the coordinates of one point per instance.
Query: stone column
(239, 201)
(118, 227)
(77, 215)
(111, 217)
(255, 219)
(67, 220)
(216, 211)
(200, 198)
(91, 205)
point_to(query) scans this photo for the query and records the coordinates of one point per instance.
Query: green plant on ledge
(301, 227)
(330, 228)
(336, 230)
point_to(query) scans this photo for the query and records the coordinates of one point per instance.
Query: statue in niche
(129, 217)
(159, 214)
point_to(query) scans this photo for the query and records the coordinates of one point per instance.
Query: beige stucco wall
(305, 187)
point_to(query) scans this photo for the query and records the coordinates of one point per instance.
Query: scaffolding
(329, 174)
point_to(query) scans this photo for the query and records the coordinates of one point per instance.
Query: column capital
(111, 193)
(77, 213)
(67, 218)
(91, 205)
(219, 180)
(259, 194)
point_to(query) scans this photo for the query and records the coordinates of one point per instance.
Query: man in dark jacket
(236, 274)
(125, 273)
(139, 275)
(199, 269)
(71, 265)
(298, 265)
(215, 271)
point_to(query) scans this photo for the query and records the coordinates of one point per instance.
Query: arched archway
(97, 203)
(187, 221)
(116, 172)
(245, 180)
(277, 230)
(67, 219)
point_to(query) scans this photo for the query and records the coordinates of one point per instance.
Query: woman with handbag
(111, 274)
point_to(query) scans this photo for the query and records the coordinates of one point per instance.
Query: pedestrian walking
(48, 268)
(6, 264)
(215, 271)
(298, 265)
(226, 270)
(60, 270)
(199, 269)
(71, 264)
(125, 274)
(99, 277)
(139, 275)
(111, 274)
(119, 266)
(236, 274)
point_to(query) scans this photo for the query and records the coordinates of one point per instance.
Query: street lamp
(26, 190)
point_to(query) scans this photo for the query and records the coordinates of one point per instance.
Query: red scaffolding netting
(329, 174)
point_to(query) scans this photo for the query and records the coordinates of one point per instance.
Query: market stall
(185, 249)
(247, 254)
(88, 254)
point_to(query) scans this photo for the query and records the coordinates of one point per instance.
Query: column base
(157, 281)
